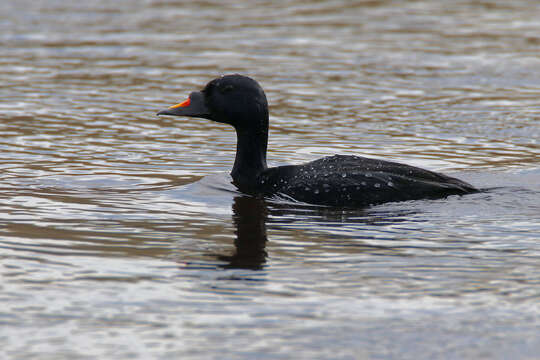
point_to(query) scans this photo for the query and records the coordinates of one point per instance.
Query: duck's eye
(226, 88)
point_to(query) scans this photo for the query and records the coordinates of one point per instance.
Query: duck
(338, 180)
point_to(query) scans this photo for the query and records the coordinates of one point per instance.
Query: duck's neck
(250, 158)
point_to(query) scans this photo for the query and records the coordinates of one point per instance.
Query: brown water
(121, 236)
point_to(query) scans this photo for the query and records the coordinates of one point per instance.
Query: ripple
(121, 232)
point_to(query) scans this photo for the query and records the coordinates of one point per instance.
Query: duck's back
(341, 180)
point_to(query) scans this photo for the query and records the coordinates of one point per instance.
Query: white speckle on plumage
(377, 185)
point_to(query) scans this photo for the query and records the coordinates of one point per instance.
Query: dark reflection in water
(249, 218)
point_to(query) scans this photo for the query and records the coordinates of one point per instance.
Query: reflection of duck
(252, 215)
(249, 217)
(336, 180)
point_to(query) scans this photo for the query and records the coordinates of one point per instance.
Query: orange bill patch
(182, 104)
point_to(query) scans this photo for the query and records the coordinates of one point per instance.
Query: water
(121, 236)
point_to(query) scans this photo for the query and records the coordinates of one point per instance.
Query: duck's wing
(357, 181)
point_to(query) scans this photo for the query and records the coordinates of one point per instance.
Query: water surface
(122, 237)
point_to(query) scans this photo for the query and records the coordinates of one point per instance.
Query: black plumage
(335, 180)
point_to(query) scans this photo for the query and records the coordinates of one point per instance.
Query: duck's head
(231, 99)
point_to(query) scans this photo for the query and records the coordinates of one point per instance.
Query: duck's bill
(194, 106)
